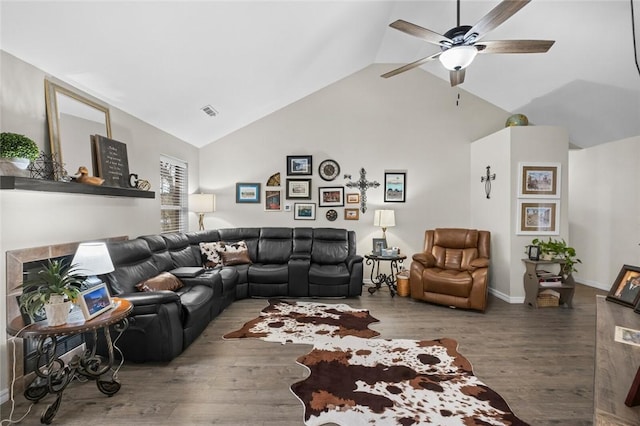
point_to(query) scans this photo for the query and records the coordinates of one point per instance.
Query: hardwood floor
(541, 361)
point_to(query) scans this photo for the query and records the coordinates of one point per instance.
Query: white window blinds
(173, 195)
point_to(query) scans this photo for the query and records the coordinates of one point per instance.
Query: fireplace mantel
(29, 184)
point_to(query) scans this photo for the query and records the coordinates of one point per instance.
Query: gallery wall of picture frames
(294, 193)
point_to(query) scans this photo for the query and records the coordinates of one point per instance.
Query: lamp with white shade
(92, 259)
(201, 204)
(384, 219)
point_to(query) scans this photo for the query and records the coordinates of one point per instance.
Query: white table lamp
(384, 219)
(92, 259)
(201, 204)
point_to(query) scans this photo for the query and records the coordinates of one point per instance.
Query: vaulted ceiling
(162, 61)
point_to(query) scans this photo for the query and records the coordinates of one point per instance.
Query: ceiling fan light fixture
(458, 57)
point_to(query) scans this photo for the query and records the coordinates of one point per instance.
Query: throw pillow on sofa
(162, 281)
(235, 254)
(210, 253)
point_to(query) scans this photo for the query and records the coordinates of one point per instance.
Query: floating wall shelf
(28, 184)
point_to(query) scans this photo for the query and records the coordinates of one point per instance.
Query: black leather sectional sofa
(283, 262)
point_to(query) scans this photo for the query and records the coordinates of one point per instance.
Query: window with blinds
(173, 195)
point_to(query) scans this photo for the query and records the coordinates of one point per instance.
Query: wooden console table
(615, 367)
(52, 374)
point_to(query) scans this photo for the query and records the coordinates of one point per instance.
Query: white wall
(605, 209)
(29, 218)
(406, 123)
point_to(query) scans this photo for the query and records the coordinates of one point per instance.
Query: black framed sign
(112, 163)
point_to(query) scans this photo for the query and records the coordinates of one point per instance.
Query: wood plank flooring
(541, 361)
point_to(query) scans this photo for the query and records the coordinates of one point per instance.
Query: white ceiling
(162, 61)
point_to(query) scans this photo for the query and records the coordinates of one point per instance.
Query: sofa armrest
(149, 302)
(426, 259)
(352, 260)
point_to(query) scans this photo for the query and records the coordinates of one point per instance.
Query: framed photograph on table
(247, 192)
(299, 165)
(304, 211)
(395, 187)
(299, 189)
(626, 287)
(533, 252)
(378, 245)
(95, 301)
(539, 180)
(331, 196)
(538, 217)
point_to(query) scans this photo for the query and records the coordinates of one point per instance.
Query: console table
(532, 284)
(615, 367)
(379, 278)
(52, 374)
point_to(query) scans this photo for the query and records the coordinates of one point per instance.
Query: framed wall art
(353, 198)
(304, 211)
(299, 165)
(538, 217)
(272, 200)
(539, 180)
(247, 192)
(351, 214)
(331, 196)
(395, 187)
(299, 189)
(626, 287)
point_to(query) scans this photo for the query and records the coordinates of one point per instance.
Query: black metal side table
(53, 374)
(379, 278)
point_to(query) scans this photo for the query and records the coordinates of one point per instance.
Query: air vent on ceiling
(209, 110)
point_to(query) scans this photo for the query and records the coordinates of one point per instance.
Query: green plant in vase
(558, 249)
(56, 283)
(19, 149)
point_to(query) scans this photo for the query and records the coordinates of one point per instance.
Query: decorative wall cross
(487, 181)
(363, 184)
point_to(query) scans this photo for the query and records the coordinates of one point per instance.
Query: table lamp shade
(202, 203)
(384, 218)
(92, 259)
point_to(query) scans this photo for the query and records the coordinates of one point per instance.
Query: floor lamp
(201, 204)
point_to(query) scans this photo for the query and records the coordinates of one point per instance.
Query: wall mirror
(72, 120)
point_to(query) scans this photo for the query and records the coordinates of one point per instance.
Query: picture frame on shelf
(378, 245)
(304, 211)
(299, 165)
(533, 252)
(95, 301)
(353, 198)
(395, 187)
(331, 196)
(299, 189)
(539, 180)
(538, 217)
(351, 214)
(626, 288)
(247, 192)
(272, 200)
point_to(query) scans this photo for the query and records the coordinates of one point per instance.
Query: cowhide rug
(306, 322)
(356, 380)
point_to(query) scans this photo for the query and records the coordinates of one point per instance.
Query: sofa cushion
(235, 254)
(330, 246)
(269, 274)
(329, 274)
(210, 253)
(162, 281)
(447, 281)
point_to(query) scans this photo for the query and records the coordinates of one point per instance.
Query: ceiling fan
(460, 45)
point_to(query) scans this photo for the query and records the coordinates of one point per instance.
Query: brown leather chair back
(455, 248)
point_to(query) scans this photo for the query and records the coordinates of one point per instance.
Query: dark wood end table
(379, 278)
(53, 375)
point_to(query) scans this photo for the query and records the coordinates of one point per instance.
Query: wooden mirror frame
(56, 138)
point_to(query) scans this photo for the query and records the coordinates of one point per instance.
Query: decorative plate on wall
(329, 169)
(331, 215)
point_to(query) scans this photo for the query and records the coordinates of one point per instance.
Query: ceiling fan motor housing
(457, 35)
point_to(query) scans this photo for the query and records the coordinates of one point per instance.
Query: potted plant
(554, 249)
(54, 288)
(18, 149)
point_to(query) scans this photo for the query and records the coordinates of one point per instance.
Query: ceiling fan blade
(422, 33)
(457, 77)
(514, 46)
(497, 16)
(410, 66)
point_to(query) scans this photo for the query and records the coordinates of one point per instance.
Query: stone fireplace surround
(15, 260)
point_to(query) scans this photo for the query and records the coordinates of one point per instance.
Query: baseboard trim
(502, 296)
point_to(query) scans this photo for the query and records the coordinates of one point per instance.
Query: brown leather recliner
(453, 269)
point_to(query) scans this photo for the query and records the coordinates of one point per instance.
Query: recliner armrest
(480, 262)
(427, 259)
(149, 302)
(352, 260)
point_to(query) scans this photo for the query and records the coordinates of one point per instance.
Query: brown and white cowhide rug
(356, 380)
(306, 322)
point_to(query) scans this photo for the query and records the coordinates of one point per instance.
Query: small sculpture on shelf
(47, 166)
(83, 177)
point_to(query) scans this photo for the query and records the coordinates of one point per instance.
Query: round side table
(379, 278)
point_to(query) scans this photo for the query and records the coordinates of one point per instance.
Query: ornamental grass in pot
(54, 289)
